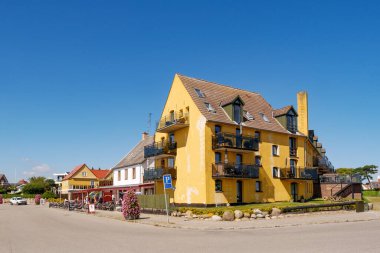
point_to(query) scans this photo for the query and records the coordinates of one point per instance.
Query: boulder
(195, 216)
(253, 216)
(256, 211)
(216, 218)
(370, 206)
(189, 214)
(174, 213)
(247, 215)
(228, 216)
(275, 211)
(264, 213)
(260, 216)
(238, 214)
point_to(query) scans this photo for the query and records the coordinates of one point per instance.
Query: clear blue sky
(78, 78)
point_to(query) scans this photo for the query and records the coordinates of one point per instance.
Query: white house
(129, 172)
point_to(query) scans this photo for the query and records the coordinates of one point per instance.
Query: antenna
(149, 122)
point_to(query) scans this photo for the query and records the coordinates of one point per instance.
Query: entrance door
(239, 191)
(294, 191)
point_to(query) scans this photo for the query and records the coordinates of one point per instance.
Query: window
(218, 185)
(84, 174)
(118, 175)
(200, 93)
(248, 116)
(257, 135)
(126, 174)
(258, 186)
(275, 150)
(218, 129)
(218, 157)
(292, 146)
(210, 108)
(237, 112)
(134, 173)
(258, 160)
(276, 172)
(291, 122)
(265, 118)
(171, 162)
(172, 118)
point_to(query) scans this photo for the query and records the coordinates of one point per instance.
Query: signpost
(167, 179)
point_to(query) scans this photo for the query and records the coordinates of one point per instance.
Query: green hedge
(371, 193)
(26, 196)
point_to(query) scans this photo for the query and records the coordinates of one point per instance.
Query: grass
(375, 201)
(250, 207)
(371, 193)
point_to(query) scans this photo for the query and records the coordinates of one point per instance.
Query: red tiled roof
(100, 174)
(282, 111)
(21, 182)
(217, 94)
(75, 170)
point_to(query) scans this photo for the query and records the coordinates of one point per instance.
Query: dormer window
(237, 112)
(210, 108)
(199, 93)
(291, 121)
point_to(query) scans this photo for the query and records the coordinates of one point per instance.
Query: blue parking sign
(167, 181)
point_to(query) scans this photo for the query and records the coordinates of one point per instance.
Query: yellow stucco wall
(79, 180)
(195, 156)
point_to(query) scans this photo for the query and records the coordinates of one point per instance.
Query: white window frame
(277, 149)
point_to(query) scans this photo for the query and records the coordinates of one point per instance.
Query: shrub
(1, 199)
(48, 195)
(130, 207)
(37, 199)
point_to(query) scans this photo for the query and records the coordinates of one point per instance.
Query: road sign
(167, 181)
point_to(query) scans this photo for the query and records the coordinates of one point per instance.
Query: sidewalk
(289, 220)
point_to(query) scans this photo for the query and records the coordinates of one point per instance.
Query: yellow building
(82, 178)
(224, 145)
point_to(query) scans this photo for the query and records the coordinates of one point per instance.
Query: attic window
(200, 93)
(210, 108)
(265, 118)
(248, 116)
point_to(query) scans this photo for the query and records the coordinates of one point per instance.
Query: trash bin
(359, 206)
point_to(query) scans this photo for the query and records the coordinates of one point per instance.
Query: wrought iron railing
(227, 140)
(172, 119)
(292, 151)
(235, 170)
(152, 174)
(159, 148)
(298, 173)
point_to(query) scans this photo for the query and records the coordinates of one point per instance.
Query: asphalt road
(40, 229)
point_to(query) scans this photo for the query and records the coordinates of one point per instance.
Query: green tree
(50, 184)
(367, 172)
(346, 171)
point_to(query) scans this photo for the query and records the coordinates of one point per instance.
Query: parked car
(18, 201)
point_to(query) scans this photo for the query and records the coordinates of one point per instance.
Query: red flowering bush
(130, 207)
(37, 199)
(1, 199)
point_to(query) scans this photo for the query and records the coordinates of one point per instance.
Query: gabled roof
(136, 155)
(2, 176)
(74, 171)
(100, 174)
(283, 111)
(216, 94)
(22, 182)
(230, 100)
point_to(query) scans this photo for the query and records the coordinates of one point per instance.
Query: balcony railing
(292, 151)
(172, 122)
(231, 170)
(227, 140)
(160, 148)
(153, 174)
(298, 173)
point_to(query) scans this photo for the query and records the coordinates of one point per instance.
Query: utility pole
(149, 122)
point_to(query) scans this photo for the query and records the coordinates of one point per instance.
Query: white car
(18, 201)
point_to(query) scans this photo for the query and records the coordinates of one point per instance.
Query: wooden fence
(153, 203)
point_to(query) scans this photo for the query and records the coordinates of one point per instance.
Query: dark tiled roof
(136, 155)
(217, 94)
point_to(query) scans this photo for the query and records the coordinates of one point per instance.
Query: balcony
(231, 141)
(173, 122)
(154, 174)
(298, 173)
(231, 170)
(160, 149)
